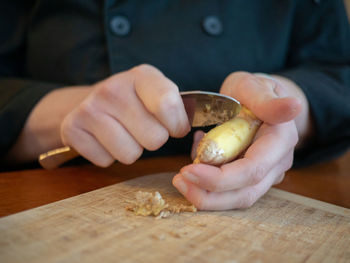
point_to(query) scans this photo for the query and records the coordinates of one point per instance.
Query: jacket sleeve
(19, 94)
(319, 62)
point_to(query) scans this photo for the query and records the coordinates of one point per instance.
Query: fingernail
(180, 185)
(190, 177)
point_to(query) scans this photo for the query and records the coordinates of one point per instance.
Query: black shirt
(50, 44)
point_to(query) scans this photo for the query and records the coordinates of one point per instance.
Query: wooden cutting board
(95, 227)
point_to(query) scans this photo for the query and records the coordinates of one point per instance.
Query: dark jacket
(50, 44)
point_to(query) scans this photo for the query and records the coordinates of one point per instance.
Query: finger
(198, 135)
(116, 97)
(272, 145)
(285, 164)
(240, 198)
(115, 138)
(279, 179)
(85, 144)
(264, 97)
(162, 98)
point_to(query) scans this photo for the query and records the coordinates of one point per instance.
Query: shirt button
(212, 25)
(120, 25)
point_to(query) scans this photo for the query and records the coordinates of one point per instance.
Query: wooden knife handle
(53, 159)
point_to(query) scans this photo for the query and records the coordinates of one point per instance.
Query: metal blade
(209, 108)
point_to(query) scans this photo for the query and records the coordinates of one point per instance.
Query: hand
(241, 183)
(136, 109)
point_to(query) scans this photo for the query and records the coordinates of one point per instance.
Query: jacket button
(120, 25)
(212, 25)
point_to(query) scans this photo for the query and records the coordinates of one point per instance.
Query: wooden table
(22, 190)
(97, 227)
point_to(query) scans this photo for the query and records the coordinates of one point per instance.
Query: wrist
(41, 131)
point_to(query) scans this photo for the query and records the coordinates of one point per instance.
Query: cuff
(330, 107)
(18, 99)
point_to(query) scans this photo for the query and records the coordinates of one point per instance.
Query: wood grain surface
(22, 190)
(95, 227)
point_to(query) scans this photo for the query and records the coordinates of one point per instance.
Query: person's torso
(195, 43)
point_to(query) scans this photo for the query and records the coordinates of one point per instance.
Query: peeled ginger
(227, 141)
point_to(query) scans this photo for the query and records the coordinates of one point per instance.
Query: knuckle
(168, 101)
(110, 92)
(245, 80)
(240, 76)
(213, 187)
(236, 81)
(216, 185)
(67, 128)
(144, 68)
(237, 75)
(249, 199)
(104, 91)
(258, 172)
(86, 110)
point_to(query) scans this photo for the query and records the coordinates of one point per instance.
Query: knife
(203, 108)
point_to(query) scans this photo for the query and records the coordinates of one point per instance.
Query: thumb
(266, 97)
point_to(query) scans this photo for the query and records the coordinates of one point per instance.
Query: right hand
(124, 114)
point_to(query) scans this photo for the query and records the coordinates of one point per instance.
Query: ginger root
(149, 204)
(227, 141)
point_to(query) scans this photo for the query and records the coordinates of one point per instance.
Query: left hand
(241, 183)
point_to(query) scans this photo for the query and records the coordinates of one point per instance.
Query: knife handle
(53, 159)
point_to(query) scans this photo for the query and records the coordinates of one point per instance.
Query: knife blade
(206, 108)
